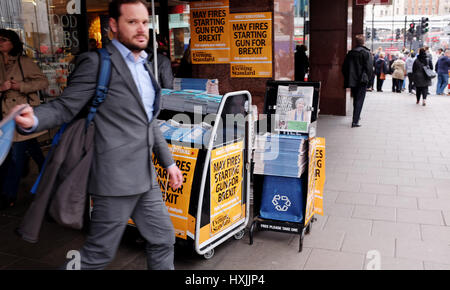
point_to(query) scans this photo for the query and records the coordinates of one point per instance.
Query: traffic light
(374, 33)
(397, 34)
(412, 25)
(424, 25)
(368, 34)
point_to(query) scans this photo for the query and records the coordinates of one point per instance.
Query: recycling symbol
(281, 202)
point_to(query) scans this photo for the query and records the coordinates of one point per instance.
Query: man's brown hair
(359, 39)
(114, 6)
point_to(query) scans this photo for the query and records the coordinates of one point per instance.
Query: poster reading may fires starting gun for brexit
(251, 45)
(226, 186)
(210, 36)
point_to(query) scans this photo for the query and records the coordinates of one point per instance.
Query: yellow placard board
(177, 200)
(210, 36)
(316, 178)
(251, 45)
(226, 186)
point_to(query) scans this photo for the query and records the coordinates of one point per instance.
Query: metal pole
(373, 30)
(393, 32)
(155, 47)
(404, 33)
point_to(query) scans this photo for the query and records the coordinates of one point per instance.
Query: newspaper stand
(213, 203)
(264, 224)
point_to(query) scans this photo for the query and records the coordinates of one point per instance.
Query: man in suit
(123, 179)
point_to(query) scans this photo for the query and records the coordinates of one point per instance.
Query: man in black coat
(357, 71)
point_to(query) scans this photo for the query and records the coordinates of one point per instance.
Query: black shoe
(355, 125)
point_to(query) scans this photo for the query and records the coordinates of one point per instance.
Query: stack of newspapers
(280, 155)
(174, 131)
(206, 85)
(190, 101)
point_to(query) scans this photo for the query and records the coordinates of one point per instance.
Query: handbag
(382, 76)
(429, 72)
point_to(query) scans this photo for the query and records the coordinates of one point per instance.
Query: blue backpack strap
(103, 78)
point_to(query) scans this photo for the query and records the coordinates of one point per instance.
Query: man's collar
(125, 52)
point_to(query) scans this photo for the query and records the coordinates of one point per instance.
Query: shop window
(49, 31)
(179, 31)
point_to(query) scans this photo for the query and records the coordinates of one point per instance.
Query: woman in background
(421, 80)
(381, 69)
(398, 74)
(20, 80)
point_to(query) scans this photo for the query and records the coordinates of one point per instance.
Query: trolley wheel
(239, 235)
(208, 255)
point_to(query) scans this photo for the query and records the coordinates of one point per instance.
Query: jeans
(12, 168)
(411, 85)
(441, 83)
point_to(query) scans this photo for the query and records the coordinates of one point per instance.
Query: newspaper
(293, 109)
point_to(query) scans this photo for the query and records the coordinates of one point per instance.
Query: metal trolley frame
(258, 222)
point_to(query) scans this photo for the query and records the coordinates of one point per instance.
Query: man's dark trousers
(359, 94)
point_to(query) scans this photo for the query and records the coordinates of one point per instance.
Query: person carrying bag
(61, 186)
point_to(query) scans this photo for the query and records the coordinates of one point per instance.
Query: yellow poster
(226, 186)
(177, 200)
(251, 45)
(210, 36)
(316, 178)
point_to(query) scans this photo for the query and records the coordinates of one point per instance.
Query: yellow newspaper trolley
(209, 137)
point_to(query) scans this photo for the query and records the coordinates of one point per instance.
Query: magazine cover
(294, 106)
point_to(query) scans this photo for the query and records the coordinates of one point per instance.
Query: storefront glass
(179, 32)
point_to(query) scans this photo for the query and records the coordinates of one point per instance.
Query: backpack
(61, 187)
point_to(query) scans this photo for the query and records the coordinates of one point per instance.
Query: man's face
(131, 29)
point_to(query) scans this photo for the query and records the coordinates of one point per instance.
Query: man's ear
(113, 25)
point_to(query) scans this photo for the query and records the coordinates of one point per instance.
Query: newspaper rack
(303, 226)
(213, 203)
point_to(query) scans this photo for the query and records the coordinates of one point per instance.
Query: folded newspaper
(174, 131)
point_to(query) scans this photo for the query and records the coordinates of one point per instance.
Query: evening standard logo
(281, 202)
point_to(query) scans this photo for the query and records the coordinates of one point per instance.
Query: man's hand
(25, 120)
(175, 177)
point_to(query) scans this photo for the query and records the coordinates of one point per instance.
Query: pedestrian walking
(381, 69)
(442, 69)
(421, 80)
(398, 73)
(357, 71)
(123, 180)
(372, 78)
(409, 70)
(20, 81)
(393, 57)
(301, 62)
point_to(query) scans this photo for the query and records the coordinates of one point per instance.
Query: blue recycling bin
(282, 199)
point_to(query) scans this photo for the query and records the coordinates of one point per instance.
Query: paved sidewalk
(387, 192)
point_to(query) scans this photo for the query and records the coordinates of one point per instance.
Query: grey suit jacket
(124, 139)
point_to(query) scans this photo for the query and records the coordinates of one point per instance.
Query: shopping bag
(282, 199)
(382, 76)
(429, 72)
(7, 129)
